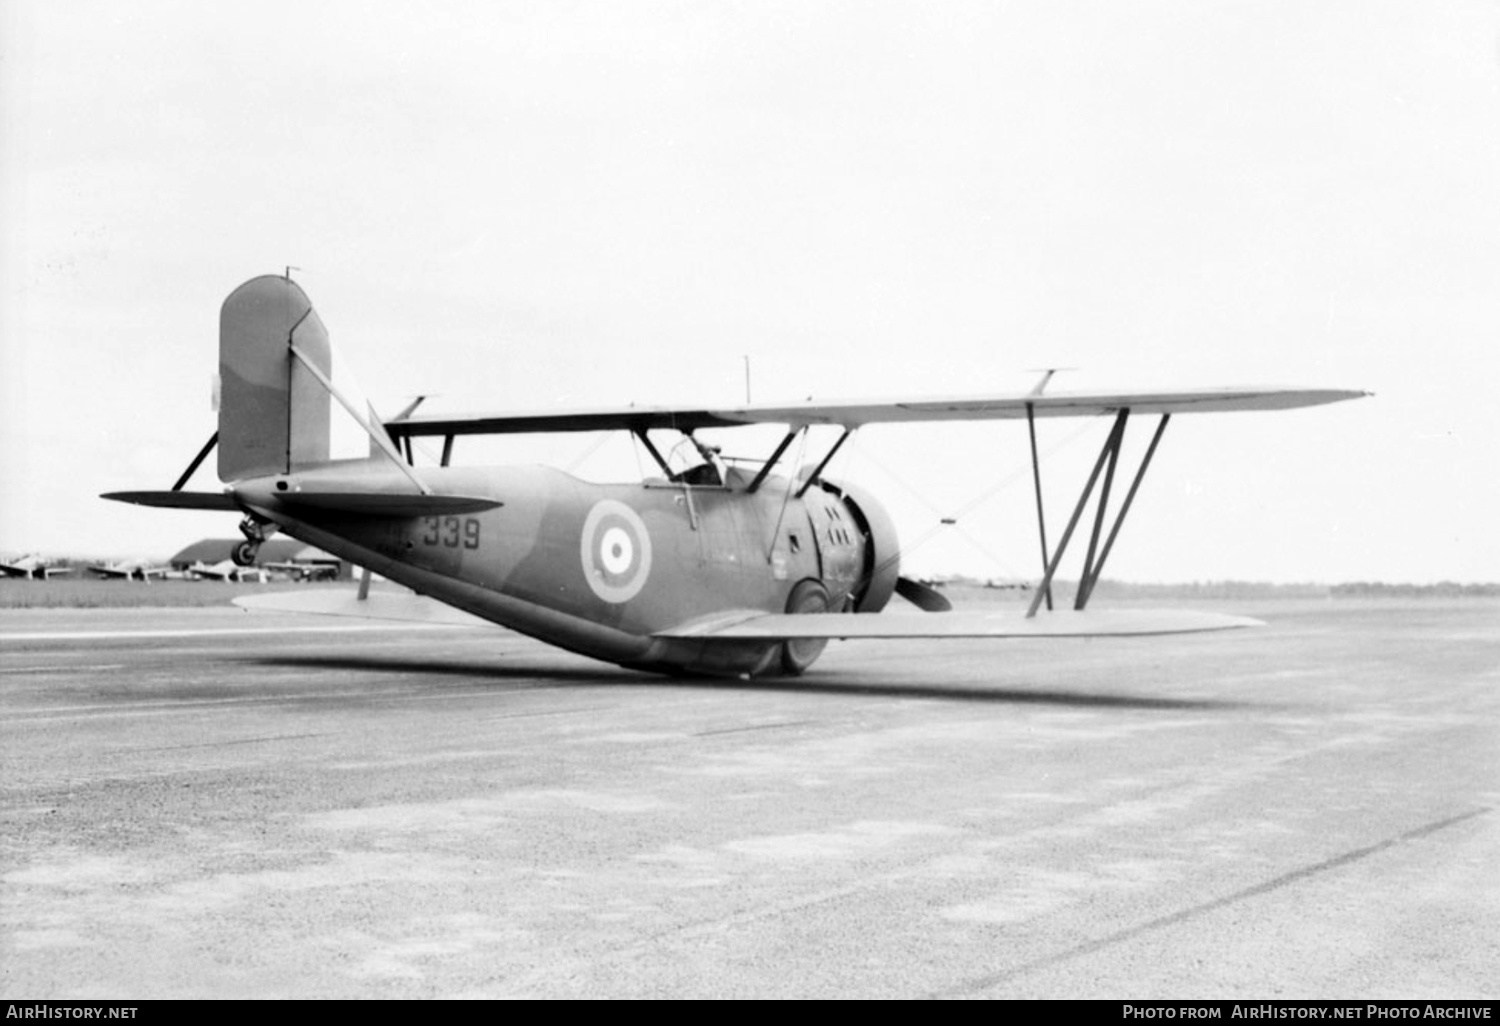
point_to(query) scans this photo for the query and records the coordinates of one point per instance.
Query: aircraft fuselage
(597, 568)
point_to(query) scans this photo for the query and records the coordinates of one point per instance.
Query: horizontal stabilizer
(403, 606)
(387, 504)
(374, 504)
(1108, 623)
(176, 500)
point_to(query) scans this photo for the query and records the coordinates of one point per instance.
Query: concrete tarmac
(205, 803)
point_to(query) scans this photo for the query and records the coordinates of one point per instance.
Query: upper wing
(854, 413)
(748, 626)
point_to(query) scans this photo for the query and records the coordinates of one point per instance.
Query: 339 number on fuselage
(450, 532)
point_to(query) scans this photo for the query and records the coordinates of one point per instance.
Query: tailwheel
(797, 654)
(256, 530)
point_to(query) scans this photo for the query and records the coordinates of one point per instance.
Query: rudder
(274, 414)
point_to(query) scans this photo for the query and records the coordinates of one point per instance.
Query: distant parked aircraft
(130, 570)
(33, 567)
(306, 571)
(227, 570)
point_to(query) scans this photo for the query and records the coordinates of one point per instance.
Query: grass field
(94, 593)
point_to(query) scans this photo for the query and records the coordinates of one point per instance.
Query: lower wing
(751, 625)
(1107, 623)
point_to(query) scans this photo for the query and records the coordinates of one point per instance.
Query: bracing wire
(951, 520)
(599, 440)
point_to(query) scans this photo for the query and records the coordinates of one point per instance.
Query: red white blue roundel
(616, 551)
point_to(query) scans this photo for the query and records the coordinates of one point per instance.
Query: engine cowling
(882, 555)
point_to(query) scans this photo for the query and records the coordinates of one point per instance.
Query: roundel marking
(615, 550)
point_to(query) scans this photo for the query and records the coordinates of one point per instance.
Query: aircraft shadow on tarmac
(826, 683)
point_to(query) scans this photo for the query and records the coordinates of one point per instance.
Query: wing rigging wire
(599, 439)
(952, 519)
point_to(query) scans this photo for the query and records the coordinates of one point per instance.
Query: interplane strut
(1094, 559)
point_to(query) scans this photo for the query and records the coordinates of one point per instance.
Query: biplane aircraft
(711, 569)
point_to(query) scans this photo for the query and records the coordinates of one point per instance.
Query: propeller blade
(922, 596)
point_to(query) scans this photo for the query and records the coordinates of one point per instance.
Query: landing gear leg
(255, 531)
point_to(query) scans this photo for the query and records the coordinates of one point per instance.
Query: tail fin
(275, 415)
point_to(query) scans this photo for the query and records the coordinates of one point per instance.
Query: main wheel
(244, 553)
(797, 654)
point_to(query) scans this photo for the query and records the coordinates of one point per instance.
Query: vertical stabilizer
(275, 415)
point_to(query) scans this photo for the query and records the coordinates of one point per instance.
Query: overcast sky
(558, 204)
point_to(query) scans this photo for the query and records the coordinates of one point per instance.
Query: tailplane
(284, 404)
